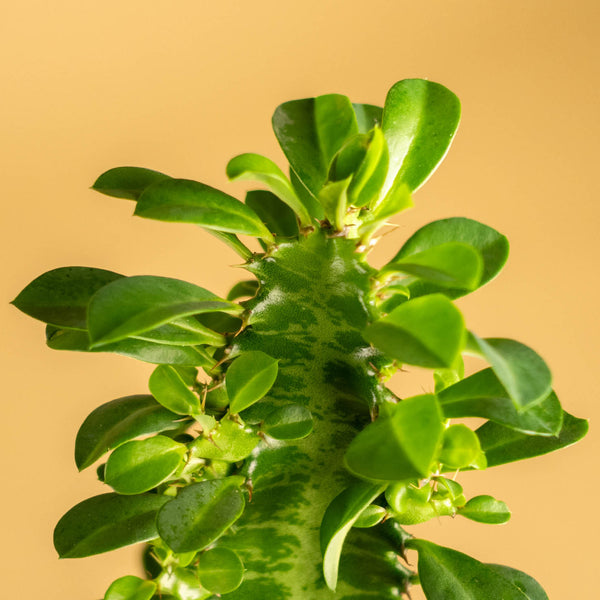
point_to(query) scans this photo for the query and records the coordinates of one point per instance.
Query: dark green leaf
(107, 522)
(338, 519)
(367, 116)
(460, 447)
(503, 445)
(200, 514)
(183, 332)
(482, 395)
(61, 296)
(140, 465)
(289, 422)
(117, 422)
(400, 446)
(485, 509)
(427, 332)
(230, 442)
(277, 216)
(168, 387)
(243, 289)
(220, 570)
(420, 119)
(127, 182)
(522, 372)
(134, 305)
(185, 201)
(249, 378)
(528, 585)
(130, 588)
(446, 574)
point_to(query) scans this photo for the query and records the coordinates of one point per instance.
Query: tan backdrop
(181, 86)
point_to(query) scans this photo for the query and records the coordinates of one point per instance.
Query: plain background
(182, 86)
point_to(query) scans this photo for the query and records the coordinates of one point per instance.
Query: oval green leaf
(220, 570)
(107, 522)
(230, 442)
(168, 387)
(249, 378)
(277, 216)
(485, 509)
(117, 422)
(367, 116)
(289, 422)
(460, 447)
(127, 182)
(186, 331)
(200, 514)
(527, 584)
(370, 516)
(130, 588)
(140, 465)
(426, 332)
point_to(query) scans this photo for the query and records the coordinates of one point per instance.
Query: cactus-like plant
(270, 461)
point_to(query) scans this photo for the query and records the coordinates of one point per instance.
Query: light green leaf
(130, 588)
(185, 201)
(183, 584)
(527, 584)
(168, 387)
(400, 446)
(485, 509)
(370, 516)
(107, 522)
(333, 197)
(410, 504)
(220, 570)
(230, 442)
(249, 378)
(427, 332)
(337, 521)
(522, 372)
(289, 422)
(200, 514)
(396, 200)
(367, 116)
(134, 305)
(460, 447)
(127, 182)
(117, 422)
(420, 119)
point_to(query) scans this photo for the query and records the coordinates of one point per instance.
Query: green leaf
(482, 395)
(396, 200)
(420, 119)
(311, 131)
(200, 514)
(243, 289)
(134, 305)
(249, 378)
(183, 332)
(255, 167)
(61, 296)
(168, 387)
(337, 521)
(289, 422)
(117, 422)
(151, 352)
(447, 574)
(230, 442)
(522, 372)
(411, 505)
(233, 242)
(308, 199)
(400, 446)
(140, 465)
(130, 588)
(277, 216)
(370, 516)
(127, 182)
(492, 246)
(333, 197)
(367, 116)
(460, 447)
(485, 509)
(220, 570)
(427, 332)
(183, 584)
(185, 201)
(453, 265)
(527, 584)
(107, 522)
(503, 445)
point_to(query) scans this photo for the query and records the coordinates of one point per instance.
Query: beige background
(181, 86)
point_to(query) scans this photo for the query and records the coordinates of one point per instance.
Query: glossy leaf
(311, 131)
(492, 246)
(277, 216)
(230, 442)
(308, 198)
(61, 296)
(127, 182)
(485, 509)
(220, 570)
(183, 584)
(333, 197)
(185, 201)
(107, 522)
(140, 465)
(396, 200)
(482, 395)
(134, 305)
(200, 514)
(447, 574)
(340, 516)
(186, 331)
(249, 378)
(289, 422)
(370, 516)
(522, 372)
(168, 387)
(420, 119)
(130, 588)
(460, 447)
(503, 445)
(367, 116)
(427, 332)
(527, 584)
(117, 422)
(411, 505)
(255, 167)
(400, 446)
